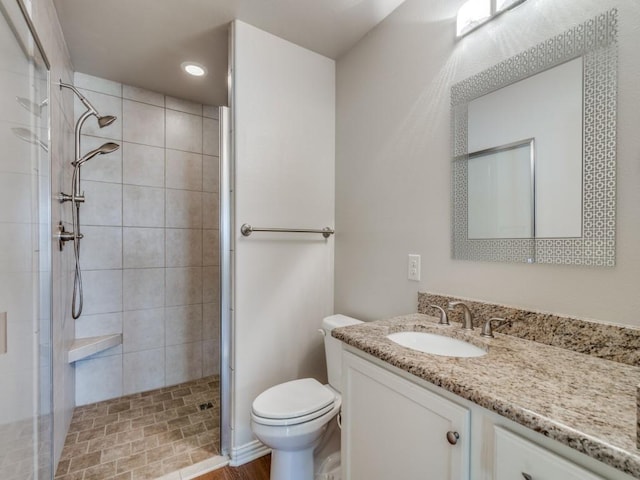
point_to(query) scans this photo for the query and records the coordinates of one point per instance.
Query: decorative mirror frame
(596, 41)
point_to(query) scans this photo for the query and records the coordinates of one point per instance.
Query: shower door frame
(43, 219)
(226, 280)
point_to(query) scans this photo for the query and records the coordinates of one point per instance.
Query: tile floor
(143, 436)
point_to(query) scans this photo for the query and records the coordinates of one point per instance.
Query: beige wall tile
(183, 324)
(211, 137)
(184, 131)
(184, 170)
(103, 204)
(184, 286)
(184, 106)
(210, 247)
(184, 209)
(183, 362)
(143, 123)
(143, 330)
(184, 247)
(143, 165)
(143, 95)
(136, 379)
(102, 291)
(143, 288)
(210, 210)
(143, 247)
(101, 248)
(143, 206)
(98, 379)
(210, 173)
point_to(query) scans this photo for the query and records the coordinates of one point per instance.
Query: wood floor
(256, 470)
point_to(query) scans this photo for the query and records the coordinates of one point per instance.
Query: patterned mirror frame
(596, 41)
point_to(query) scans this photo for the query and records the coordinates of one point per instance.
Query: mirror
(501, 183)
(534, 153)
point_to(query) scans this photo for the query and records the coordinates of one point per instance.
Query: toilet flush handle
(321, 332)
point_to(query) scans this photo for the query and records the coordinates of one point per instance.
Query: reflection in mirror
(548, 107)
(562, 94)
(501, 186)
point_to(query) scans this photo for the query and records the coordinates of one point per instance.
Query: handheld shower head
(102, 150)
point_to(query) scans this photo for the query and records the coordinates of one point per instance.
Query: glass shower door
(25, 246)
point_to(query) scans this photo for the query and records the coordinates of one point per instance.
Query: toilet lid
(293, 399)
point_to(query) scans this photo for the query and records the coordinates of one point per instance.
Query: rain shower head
(106, 120)
(102, 150)
(30, 137)
(102, 121)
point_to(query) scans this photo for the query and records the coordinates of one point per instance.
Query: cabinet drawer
(520, 459)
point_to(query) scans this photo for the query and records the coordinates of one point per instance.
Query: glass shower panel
(25, 246)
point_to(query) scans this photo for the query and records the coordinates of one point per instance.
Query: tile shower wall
(150, 251)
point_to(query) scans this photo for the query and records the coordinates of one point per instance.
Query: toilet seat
(292, 403)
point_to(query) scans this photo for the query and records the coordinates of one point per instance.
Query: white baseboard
(248, 452)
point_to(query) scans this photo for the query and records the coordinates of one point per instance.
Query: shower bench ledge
(85, 347)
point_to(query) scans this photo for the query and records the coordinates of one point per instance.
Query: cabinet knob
(452, 438)
(526, 476)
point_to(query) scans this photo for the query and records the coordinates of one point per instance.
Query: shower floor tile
(145, 435)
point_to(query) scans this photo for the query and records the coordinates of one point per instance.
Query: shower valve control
(63, 236)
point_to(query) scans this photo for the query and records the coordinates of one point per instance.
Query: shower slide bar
(247, 230)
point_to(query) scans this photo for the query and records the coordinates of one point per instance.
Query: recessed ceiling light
(194, 69)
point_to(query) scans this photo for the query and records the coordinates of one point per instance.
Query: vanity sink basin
(436, 344)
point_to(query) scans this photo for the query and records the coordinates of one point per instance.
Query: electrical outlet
(414, 267)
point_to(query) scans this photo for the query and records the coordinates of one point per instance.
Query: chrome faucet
(468, 317)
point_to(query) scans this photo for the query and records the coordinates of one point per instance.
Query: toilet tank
(333, 347)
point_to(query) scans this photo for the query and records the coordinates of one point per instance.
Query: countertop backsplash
(611, 342)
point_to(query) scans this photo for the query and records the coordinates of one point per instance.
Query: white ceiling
(143, 42)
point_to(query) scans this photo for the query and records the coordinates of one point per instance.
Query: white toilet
(291, 418)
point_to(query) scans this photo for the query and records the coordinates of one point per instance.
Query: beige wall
(283, 142)
(393, 172)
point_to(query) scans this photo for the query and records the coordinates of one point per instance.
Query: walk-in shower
(77, 197)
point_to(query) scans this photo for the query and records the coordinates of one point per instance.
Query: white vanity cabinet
(395, 426)
(395, 429)
(517, 458)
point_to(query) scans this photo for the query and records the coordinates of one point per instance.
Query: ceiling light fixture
(195, 69)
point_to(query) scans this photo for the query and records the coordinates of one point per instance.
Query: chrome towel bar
(247, 230)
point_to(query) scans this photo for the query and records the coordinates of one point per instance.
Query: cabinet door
(519, 459)
(394, 429)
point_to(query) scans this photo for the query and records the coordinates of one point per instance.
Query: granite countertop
(582, 401)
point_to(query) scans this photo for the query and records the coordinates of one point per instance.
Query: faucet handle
(487, 329)
(444, 319)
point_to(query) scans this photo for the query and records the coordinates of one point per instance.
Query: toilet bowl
(292, 418)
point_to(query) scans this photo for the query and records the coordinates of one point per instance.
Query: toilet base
(292, 465)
